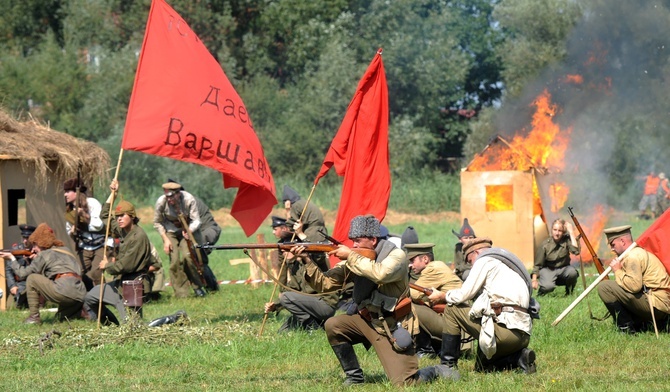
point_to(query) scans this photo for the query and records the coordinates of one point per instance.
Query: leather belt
(499, 308)
(67, 275)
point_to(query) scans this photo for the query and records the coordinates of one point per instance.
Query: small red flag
(360, 152)
(184, 107)
(655, 239)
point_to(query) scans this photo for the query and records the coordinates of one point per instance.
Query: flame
(593, 229)
(543, 148)
(576, 79)
(499, 198)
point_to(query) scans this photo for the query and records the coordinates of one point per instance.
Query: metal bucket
(132, 293)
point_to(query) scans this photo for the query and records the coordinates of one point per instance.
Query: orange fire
(576, 79)
(593, 228)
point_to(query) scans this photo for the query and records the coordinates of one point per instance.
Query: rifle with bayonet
(310, 247)
(594, 255)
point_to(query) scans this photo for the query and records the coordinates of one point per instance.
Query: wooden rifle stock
(190, 241)
(594, 256)
(438, 308)
(310, 247)
(18, 252)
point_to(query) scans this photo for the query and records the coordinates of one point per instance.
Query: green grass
(220, 348)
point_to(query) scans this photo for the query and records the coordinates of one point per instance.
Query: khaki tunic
(436, 275)
(639, 268)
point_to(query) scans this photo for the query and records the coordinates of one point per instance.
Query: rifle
(75, 235)
(310, 247)
(190, 242)
(594, 256)
(439, 308)
(18, 252)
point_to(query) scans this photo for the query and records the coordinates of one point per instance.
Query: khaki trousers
(39, 284)
(400, 368)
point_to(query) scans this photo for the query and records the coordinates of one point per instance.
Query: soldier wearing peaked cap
(641, 284)
(134, 261)
(308, 226)
(430, 274)
(15, 285)
(499, 316)
(461, 267)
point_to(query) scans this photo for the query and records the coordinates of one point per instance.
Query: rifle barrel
(594, 255)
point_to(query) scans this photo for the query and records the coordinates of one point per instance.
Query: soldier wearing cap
(16, 286)
(54, 273)
(431, 274)
(308, 309)
(175, 201)
(133, 261)
(87, 229)
(503, 334)
(461, 267)
(641, 283)
(385, 319)
(552, 260)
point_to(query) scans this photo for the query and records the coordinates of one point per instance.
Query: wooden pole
(281, 269)
(109, 222)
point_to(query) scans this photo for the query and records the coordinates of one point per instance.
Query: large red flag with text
(656, 239)
(184, 107)
(360, 152)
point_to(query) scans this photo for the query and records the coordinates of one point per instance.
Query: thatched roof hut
(34, 162)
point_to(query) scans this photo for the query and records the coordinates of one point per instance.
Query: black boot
(523, 359)
(171, 319)
(451, 350)
(622, 317)
(424, 348)
(347, 356)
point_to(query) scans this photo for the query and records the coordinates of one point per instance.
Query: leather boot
(622, 317)
(347, 356)
(108, 318)
(171, 319)
(451, 350)
(523, 359)
(424, 348)
(33, 319)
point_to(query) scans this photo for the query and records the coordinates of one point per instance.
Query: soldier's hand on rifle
(298, 252)
(437, 296)
(167, 247)
(342, 252)
(269, 307)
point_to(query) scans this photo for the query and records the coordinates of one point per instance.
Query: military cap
(26, 230)
(278, 221)
(414, 250)
(471, 245)
(364, 226)
(290, 194)
(125, 207)
(409, 236)
(172, 185)
(383, 232)
(615, 232)
(72, 184)
(466, 230)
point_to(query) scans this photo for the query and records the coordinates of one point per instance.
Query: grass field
(220, 347)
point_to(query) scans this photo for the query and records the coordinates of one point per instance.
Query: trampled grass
(220, 347)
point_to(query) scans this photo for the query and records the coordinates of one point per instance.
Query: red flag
(655, 239)
(184, 107)
(360, 152)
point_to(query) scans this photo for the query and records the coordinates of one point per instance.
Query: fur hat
(473, 244)
(615, 232)
(44, 237)
(26, 230)
(290, 194)
(278, 221)
(409, 236)
(125, 207)
(72, 184)
(364, 226)
(466, 230)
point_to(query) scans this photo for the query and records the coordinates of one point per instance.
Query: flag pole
(104, 252)
(591, 287)
(283, 264)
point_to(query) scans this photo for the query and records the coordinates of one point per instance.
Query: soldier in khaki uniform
(382, 321)
(552, 260)
(54, 272)
(431, 274)
(640, 279)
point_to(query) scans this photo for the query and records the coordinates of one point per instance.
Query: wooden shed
(34, 162)
(500, 198)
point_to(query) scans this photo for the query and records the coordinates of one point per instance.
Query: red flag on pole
(655, 239)
(360, 152)
(184, 107)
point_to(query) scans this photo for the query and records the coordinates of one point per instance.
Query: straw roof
(49, 152)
